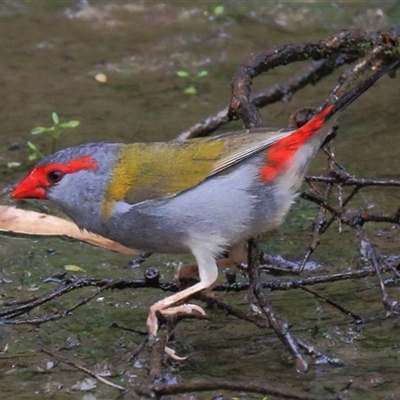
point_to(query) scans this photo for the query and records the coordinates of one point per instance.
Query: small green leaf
(190, 90)
(70, 124)
(74, 123)
(31, 146)
(56, 120)
(219, 10)
(13, 164)
(202, 74)
(182, 74)
(73, 268)
(36, 153)
(40, 129)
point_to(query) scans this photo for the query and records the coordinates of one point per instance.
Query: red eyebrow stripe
(35, 183)
(79, 164)
(280, 154)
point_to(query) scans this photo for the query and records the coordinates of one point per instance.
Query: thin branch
(84, 369)
(208, 385)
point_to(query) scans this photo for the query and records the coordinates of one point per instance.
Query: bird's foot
(152, 322)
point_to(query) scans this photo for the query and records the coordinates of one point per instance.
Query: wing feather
(249, 149)
(146, 171)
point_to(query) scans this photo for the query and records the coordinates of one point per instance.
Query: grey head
(78, 177)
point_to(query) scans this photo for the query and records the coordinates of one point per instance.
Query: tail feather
(353, 94)
(280, 154)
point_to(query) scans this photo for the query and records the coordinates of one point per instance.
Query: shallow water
(48, 60)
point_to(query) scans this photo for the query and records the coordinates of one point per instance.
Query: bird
(203, 196)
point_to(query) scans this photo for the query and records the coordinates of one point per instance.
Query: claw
(152, 321)
(184, 308)
(171, 353)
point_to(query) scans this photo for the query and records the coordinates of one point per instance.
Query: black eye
(55, 176)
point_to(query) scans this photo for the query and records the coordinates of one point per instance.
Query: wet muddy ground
(49, 57)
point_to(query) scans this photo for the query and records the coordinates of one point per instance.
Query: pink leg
(237, 255)
(208, 272)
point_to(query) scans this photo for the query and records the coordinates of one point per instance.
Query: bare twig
(329, 54)
(280, 327)
(9, 315)
(84, 369)
(358, 319)
(207, 385)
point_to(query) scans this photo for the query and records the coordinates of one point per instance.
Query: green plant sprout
(36, 153)
(55, 132)
(191, 80)
(214, 12)
(219, 10)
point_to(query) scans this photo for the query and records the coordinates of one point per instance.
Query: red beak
(29, 188)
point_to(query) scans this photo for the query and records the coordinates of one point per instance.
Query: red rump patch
(35, 183)
(281, 153)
